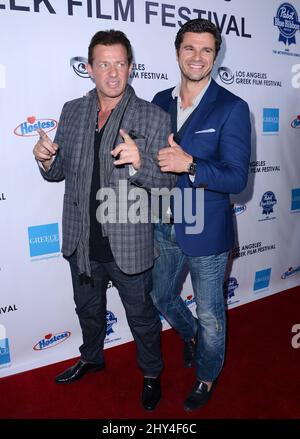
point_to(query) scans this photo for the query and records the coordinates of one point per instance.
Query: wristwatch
(192, 168)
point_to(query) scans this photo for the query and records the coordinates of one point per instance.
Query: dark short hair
(199, 25)
(109, 38)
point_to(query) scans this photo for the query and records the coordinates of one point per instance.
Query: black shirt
(99, 245)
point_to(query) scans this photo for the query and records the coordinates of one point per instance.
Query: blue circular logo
(78, 63)
(226, 75)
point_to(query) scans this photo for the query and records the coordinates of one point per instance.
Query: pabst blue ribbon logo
(78, 63)
(229, 287)
(29, 127)
(50, 340)
(296, 122)
(287, 23)
(110, 321)
(267, 203)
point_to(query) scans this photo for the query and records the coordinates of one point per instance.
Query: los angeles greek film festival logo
(78, 64)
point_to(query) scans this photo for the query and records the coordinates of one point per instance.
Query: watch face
(192, 169)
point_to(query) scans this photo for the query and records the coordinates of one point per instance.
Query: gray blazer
(132, 244)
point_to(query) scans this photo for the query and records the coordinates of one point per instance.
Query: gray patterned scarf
(108, 141)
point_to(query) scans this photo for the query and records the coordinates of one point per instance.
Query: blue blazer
(218, 136)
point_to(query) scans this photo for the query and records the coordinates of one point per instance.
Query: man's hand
(127, 151)
(45, 149)
(173, 158)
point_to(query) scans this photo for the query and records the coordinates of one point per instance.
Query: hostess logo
(271, 120)
(290, 272)
(295, 200)
(237, 209)
(190, 300)
(29, 127)
(286, 21)
(111, 319)
(43, 239)
(262, 279)
(78, 64)
(50, 340)
(296, 122)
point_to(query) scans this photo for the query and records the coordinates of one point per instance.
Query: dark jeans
(142, 316)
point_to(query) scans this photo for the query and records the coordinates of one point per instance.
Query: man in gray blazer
(109, 139)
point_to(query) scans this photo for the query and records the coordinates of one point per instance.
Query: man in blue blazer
(210, 152)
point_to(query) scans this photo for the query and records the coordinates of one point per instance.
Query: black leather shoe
(189, 353)
(77, 371)
(198, 396)
(151, 393)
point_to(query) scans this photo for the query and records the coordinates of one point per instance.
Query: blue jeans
(207, 276)
(142, 316)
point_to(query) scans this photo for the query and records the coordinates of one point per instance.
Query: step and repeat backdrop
(43, 51)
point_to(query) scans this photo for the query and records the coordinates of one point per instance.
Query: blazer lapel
(173, 113)
(86, 124)
(126, 123)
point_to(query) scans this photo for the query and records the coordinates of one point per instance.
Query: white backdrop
(40, 44)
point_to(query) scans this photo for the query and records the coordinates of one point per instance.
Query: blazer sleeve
(149, 174)
(229, 174)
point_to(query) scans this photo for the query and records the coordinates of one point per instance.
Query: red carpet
(260, 379)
